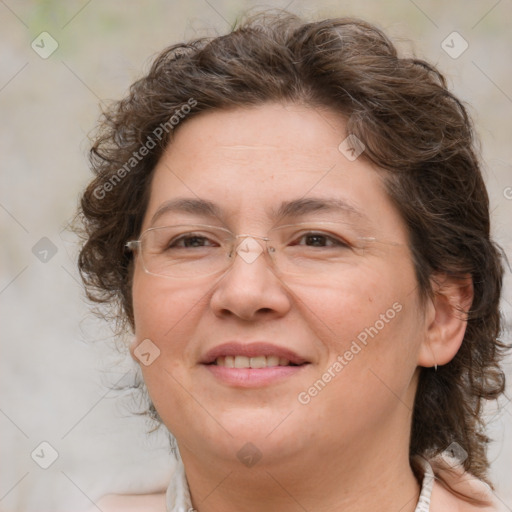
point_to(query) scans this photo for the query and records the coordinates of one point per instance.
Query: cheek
(168, 314)
(342, 308)
(162, 307)
(164, 314)
(367, 377)
(372, 325)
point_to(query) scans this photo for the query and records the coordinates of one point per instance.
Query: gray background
(58, 362)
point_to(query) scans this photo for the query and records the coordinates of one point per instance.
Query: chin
(245, 432)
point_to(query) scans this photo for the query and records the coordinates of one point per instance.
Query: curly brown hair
(412, 127)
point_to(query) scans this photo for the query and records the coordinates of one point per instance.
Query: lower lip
(252, 377)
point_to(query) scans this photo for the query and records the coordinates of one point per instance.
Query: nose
(250, 288)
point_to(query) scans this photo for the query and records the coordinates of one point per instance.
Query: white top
(178, 495)
(426, 486)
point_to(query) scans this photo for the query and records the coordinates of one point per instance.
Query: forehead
(251, 165)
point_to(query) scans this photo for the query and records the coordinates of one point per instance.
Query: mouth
(252, 355)
(260, 361)
(252, 365)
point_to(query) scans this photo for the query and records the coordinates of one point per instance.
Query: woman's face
(353, 326)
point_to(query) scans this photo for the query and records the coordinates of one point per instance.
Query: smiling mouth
(253, 362)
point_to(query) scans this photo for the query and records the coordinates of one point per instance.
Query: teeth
(274, 361)
(258, 362)
(251, 362)
(242, 362)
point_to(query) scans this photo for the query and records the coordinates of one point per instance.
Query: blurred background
(67, 437)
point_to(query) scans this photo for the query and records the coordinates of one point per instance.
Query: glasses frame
(136, 245)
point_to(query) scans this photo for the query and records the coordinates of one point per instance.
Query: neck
(357, 478)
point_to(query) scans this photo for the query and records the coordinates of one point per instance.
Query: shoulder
(131, 503)
(459, 491)
(444, 498)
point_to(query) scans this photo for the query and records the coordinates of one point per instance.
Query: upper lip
(254, 349)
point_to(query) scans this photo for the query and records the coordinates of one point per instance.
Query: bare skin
(347, 447)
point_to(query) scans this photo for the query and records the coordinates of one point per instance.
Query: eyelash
(335, 241)
(184, 238)
(329, 238)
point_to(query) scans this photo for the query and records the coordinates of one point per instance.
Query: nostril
(265, 310)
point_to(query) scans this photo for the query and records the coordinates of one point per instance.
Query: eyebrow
(307, 205)
(294, 208)
(188, 205)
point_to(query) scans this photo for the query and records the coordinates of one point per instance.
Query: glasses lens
(308, 250)
(185, 250)
(316, 249)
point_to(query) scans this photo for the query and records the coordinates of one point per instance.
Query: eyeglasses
(198, 250)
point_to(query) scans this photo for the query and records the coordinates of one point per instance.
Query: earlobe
(446, 319)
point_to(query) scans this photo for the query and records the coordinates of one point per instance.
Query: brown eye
(190, 241)
(320, 240)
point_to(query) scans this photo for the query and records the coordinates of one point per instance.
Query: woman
(292, 221)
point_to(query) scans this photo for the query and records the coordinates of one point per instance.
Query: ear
(446, 319)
